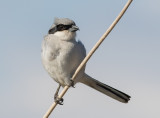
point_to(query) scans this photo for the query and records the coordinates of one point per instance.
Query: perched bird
(61, 55)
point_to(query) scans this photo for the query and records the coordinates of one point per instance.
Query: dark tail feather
(107, 90)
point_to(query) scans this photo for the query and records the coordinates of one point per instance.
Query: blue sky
(129, 59)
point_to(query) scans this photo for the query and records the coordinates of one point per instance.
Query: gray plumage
(62, 54)
(64, 21)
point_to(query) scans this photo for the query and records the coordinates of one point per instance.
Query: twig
(88, 56)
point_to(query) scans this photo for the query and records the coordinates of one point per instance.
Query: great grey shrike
(61, 55)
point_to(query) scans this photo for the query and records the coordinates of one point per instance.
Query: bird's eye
(62, 27)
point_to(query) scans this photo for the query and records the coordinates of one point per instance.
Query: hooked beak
(74, 28)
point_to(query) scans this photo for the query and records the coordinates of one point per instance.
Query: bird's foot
(58, 100)
(72, 84)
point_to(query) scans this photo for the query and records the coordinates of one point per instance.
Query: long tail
(107, 90)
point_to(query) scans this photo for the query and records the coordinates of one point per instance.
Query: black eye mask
(59, 27)
(62, 27)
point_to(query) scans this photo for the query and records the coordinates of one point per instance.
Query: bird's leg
(56, 99)
(56, 94)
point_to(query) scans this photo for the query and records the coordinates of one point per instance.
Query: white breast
(60, 58)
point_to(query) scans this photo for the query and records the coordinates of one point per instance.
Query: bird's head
(64, 28)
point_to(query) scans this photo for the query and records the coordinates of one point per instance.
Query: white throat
(65, 35)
